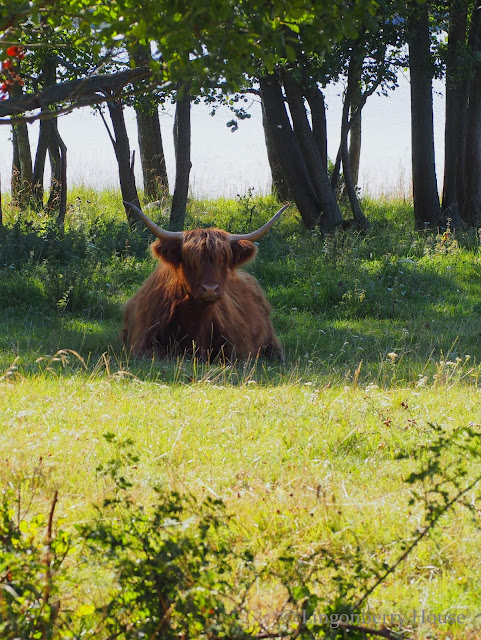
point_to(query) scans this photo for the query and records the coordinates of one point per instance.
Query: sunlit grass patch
(293, 462)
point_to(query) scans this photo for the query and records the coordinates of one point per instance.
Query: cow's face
(206, 257)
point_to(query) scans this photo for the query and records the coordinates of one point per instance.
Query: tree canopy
(208, 44)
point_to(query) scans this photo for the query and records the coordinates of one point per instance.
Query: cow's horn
(157, 231)
(258, 233)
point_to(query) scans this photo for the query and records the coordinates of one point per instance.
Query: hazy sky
(226, 163)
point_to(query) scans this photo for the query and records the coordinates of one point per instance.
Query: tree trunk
(472, 194)
(331, 214)
(427, 210)
(182, 140)
(317, 105)
(120, 142)
(311, 199)
(16, 182)
(45, 141)
(353, 76)
(39, 166)
(53, 202)
(355, 131)
(22, 182)
(152, 158)
(456, 105)
(57, 199)
(279, 185)
(293, 165)
(23, 157)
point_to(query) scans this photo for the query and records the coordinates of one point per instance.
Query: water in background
(226, 163)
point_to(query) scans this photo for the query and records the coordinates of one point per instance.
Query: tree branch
(73, 91)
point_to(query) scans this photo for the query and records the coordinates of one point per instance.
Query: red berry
(15, 51)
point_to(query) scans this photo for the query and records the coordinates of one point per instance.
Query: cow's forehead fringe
(213, 244)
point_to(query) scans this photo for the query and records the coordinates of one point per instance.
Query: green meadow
(313, 460)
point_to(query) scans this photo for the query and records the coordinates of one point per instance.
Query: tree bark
(352, 89)
(22, 181)
(152, 158)
(456, 106)
(355, 132)
(91, 90)
(279, 185)
(39, 165)
(472, 194)
(317, 105)
(427, 210)
(331, 214)
(312, 199)
(48, 78)
(182, 141)
(120, 142)
(293, 165)
(16, 180)
(57, 199)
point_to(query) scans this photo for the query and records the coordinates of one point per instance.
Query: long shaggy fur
(168, 315)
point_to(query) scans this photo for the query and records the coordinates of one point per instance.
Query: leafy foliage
(191, 40)
(32, 573)
(176, 565)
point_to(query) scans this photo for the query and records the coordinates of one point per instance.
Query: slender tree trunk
(120, 142)
(22, 166)
(456, 105)
(39, 166)
(62, 210)
(357, 213)
(22, 182)
(57, 199)
(472, 194)
(317, 105)
(16, 182)
(355, 64)
(279, 185)
(356, 129)
(53, 203)
(48, 78)
(427, 210)
(152, 158)
(182, 142)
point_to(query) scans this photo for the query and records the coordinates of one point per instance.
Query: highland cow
(197, 302)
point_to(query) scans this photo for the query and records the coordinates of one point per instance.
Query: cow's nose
(211, 289)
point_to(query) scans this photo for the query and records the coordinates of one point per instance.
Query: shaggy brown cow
(197, 302)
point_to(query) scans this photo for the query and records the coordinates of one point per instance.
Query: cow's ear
(242, 251)
(168, 249)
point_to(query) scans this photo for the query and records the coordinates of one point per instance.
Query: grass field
(381, 332)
